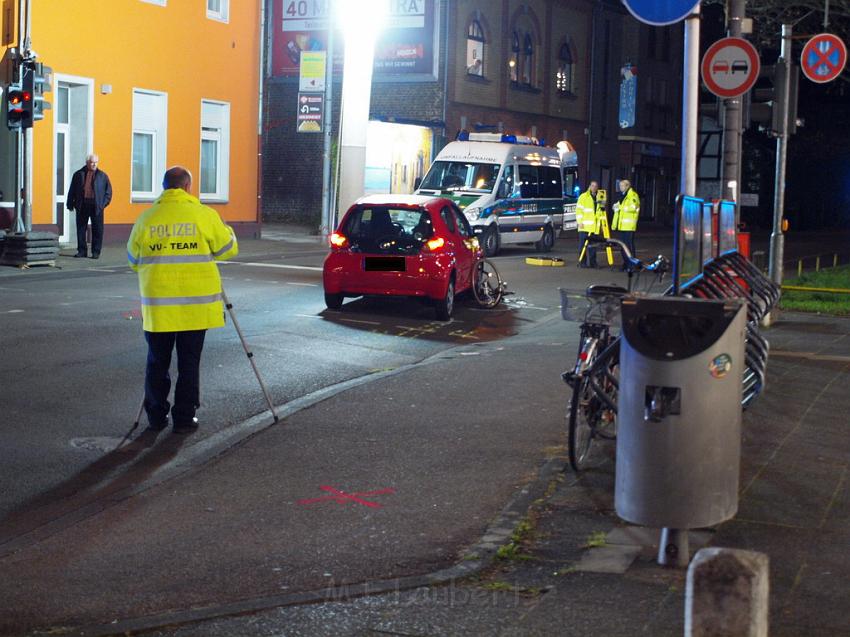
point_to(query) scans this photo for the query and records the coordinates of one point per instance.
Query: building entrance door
(72, 141)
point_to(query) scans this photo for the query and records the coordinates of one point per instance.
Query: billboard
(404, 48)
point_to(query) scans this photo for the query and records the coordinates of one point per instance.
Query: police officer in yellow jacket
(173, 247)
(587, 223)
(626, 213)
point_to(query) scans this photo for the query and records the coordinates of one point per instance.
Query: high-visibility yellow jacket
(173, 247)
(626, 212)
(586, 213)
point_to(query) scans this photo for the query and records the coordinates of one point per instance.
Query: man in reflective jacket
(587, 223)
(626, 213)
(173, 247)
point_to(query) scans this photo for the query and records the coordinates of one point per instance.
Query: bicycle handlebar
(660, 265)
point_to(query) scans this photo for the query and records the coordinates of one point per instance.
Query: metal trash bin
(679, 411)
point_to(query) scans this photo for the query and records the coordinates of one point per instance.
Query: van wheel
(334, 301)
(547, 241)
(446, 305)
(490, 241)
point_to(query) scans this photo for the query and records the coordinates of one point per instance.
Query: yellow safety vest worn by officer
(586, 213)
(626, 214)
(173, 247)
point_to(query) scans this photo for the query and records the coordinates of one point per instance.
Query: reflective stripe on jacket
(626, 214)
(586, 213)
(173, 247)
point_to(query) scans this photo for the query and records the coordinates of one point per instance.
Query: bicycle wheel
(487, 284)
(579, 429)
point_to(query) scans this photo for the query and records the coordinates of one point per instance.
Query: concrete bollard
(727, 594)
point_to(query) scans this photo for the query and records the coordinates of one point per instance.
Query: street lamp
(361, 22)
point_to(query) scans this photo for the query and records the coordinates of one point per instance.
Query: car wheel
(490, 241)
(446, 305)
(334, 301)
(547, 241)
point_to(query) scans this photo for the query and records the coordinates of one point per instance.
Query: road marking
(14, 311)
(347, 320)
(341, 497)
(313, 316)
(275, 265)
(306, 285)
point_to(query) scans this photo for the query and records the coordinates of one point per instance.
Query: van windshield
(451, 176)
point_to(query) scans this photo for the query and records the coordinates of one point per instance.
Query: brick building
(546, 68)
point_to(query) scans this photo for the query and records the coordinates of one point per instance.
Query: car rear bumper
(425, 276)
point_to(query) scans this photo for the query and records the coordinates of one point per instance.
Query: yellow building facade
(145, 85)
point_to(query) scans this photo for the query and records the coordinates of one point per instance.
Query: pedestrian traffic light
(16, 109)
(764, 103)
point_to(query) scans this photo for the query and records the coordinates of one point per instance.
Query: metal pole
(777, 239)
(732, 125)
(690, 104)
(327, 212)
(248, 353)
(826, 16)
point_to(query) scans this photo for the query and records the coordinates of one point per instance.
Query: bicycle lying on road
(594, 379)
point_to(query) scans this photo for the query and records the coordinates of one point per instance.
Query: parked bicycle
(594, 379)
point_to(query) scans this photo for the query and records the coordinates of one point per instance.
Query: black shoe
(157, 426)
(95, 256)
(185, 427)
(80, 255)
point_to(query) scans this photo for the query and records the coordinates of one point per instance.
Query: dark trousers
(187, 393)
(589, 253)
(628, 237)
(88, 211)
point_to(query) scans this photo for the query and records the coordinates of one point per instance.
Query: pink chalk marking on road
(341, 497)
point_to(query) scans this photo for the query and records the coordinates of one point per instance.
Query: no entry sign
(730, 67)
(824, 57)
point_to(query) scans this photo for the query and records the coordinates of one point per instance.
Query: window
(218, 10)
(215, 151)
(565, 76)
(528, 61)
(63, 105)
(475, 49)
(463, 227)
(159, 2)
(506, 186)
(150, 112)
(528, 182)
(460, 175)
(550, 182)
(143, 145)
(513, 61)
(448, 219)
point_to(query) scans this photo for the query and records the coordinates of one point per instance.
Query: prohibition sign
(823, 58)
(730, 67)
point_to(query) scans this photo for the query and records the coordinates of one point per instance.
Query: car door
(466, 255)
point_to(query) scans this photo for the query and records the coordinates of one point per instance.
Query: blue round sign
(660, 12)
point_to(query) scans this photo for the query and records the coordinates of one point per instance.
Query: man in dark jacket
(89, 194)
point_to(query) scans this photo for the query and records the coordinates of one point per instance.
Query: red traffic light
(26, 96)
(14, 99)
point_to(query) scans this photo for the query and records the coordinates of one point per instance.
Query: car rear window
(387, 229)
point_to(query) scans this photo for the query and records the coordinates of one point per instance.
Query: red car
(401, 245)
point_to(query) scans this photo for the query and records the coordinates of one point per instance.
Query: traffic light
(18, 102)
(42, 83)
(764, 108)
(28, 90)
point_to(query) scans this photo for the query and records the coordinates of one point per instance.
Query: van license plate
(384, 264)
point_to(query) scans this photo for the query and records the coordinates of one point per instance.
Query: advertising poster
(405, 47)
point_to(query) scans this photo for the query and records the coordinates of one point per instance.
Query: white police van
(511, 189)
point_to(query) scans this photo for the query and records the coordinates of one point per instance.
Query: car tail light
(338, 241)
(435, 244)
